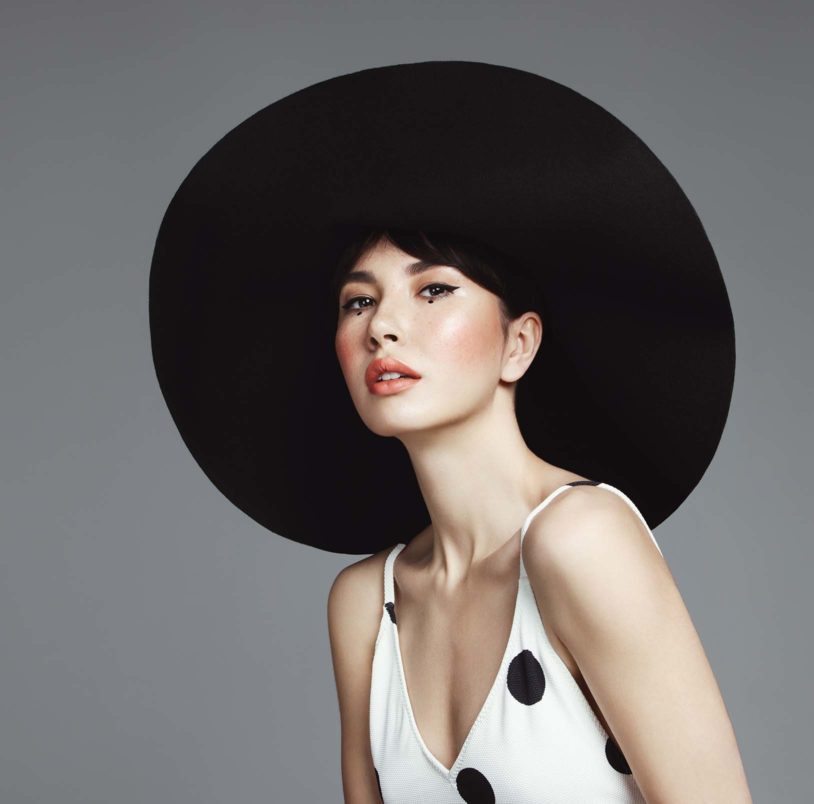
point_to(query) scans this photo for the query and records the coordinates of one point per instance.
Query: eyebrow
(411, 269)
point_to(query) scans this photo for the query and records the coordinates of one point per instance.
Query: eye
(347, 305)
(447, 290)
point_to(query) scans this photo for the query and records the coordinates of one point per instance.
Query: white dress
(536, 739)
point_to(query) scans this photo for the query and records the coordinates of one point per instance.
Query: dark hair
(482, 263)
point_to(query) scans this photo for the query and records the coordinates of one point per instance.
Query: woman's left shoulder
(614, 605)
(588, 522)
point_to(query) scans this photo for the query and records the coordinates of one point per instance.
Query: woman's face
(438, 322)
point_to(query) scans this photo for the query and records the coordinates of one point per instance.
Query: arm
(354, 610)
(612, 601)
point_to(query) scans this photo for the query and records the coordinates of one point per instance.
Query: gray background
(157, 644)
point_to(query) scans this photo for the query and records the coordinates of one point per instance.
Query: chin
(403, 423)
(393, 426)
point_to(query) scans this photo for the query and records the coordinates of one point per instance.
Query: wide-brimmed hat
(633, 379)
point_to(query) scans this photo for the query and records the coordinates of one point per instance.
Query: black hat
(633, 378)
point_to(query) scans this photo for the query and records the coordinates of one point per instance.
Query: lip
(393, 386)
(382, 364)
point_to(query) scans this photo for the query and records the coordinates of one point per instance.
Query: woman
(609, 610)
(515, 633)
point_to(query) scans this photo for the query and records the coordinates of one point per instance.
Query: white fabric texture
(536, 739)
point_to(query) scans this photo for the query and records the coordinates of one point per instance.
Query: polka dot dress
(535, 741)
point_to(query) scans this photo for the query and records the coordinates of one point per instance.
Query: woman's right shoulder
(362, 578)
(356, 597)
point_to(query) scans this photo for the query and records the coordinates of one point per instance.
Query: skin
(457, 423)
(607, 599)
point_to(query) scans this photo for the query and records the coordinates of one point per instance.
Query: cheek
(467, 340)
(344, 351)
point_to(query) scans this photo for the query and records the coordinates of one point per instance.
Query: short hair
(483, 263)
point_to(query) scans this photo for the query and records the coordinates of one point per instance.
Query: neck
(479, 481)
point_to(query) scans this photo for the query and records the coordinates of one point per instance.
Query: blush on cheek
(467, 340)
(342, 350)
(344, 355)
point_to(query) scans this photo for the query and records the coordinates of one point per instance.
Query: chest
(451, 652)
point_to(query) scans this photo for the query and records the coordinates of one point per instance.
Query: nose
(387, 336)
(382, 325)
(379, 334)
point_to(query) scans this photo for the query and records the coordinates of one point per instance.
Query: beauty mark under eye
(448, 290)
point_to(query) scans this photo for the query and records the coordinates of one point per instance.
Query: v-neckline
(489, 695)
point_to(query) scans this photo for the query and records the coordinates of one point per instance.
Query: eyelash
(450, 289)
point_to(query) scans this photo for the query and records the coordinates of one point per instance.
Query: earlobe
(518, 370)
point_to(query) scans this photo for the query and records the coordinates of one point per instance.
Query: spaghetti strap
(546, 501)
(533, 705)
(389, 591)
(562, 488)
(630, 502)
(536, 510)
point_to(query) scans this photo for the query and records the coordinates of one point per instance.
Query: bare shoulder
(354, 613)
(584, 525)
(585, 543)
(356, 598)
(613, 603)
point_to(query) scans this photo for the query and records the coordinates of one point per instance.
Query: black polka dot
(379, 785)
(526, 679)
(616, 757)
(474, 787)
(391, 610)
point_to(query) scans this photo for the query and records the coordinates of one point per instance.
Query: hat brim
(633, 379)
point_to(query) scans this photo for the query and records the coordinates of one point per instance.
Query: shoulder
(355, 601)
(354, 614)
(586, 522)
(358, 588)
(585, 545)
(612, 601)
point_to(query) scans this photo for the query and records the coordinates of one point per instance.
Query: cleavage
(451, 650)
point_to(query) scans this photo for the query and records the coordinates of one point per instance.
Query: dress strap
(539, 508)
(548, 499)
(559, 490)
(389, 591)
(630, 502)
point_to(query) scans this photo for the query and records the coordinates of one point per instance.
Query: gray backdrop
(157, 644)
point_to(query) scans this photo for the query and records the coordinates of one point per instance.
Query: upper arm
(614, 604)
(354, 611)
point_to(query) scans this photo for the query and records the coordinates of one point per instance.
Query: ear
(523, 339)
